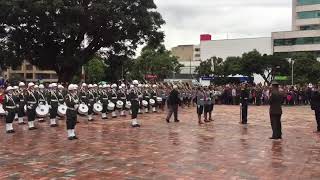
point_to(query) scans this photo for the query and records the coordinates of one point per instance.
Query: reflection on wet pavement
(223, 149)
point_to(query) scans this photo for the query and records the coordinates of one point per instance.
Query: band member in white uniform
(9, 106)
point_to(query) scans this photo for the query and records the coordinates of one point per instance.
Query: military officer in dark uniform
(72, 102)
(244, 103)
(315, 105)
(32, 102)
(134, 99)
(276, 111)
(91, 100)
(9, 106)
(104, 99)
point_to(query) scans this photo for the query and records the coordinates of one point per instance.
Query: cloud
(187, 19)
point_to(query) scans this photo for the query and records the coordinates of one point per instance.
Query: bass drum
(2, 111)
(97, 108)
(83, 109)
(111, 106)
(62, 110)
(42, 111)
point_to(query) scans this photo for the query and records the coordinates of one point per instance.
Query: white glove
(29, 107)
(198, 106)
(76, 106)
(50, 106)
(240, 104)
(18, 106)
(6, 113)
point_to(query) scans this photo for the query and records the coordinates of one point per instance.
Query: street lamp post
(292, 70)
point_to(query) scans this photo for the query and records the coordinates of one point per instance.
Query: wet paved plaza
(223, 149)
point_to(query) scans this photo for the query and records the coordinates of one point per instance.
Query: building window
(197, 55)
(17, 68)
(29, 67)
(308, 2)
(308, 14)
(296, 41)
(41, 76)
(29, 76)
(310, 27)
(197, 49)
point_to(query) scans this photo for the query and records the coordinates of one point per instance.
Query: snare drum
(152, 102)
(62, 110)
(83, 109)
(2, 111)
(42, 111)
(97, 108)
(111, 106)
(119, 104)
(128, 104)
(145, 103)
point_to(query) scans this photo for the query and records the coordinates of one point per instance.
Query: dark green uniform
(53, 101)
(275, 113)
(32, 103)
(9, 105)
(244, 101)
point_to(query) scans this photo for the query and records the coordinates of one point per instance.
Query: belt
(21, 100)
(54, 100)
(83, 96)
(32, 102)
(123, 98)
(73, 109)
(10, 107)
(104, 98)
(61, 99)
(113, 98)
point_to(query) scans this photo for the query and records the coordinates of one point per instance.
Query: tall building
(305, 34)
(30, 73)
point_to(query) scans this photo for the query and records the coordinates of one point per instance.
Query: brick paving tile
(223, 149)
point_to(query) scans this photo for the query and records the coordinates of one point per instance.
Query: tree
(156, 61)
(266, 66)
(232, 66)
(306, 68)
(95, 70)
(213, 65)
(64, 35)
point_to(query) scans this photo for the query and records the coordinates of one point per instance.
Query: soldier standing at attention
(244, 103)
(9, 106)
(53, 102)
(315, 105)
(276, 111)
(134, 99)
(72, 102)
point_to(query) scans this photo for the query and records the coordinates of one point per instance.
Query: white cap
(123, 85)
(50, 85)
(90, 86)
(175, 87)
(95, 85)
(154, 86)
(100, 86)
(135, 82)
(140, 85)
(71, 87)
(84, 85)
(131, 86)
(146, 86)
(60, 86)
(41, 86)
(9, 88)
(15, 87)
(21, 84)
(31, 84)
(108, 86)
(36, 86)
(75, 86)
(104, 86)
(114, 86)
(54, 84)
(120, 87)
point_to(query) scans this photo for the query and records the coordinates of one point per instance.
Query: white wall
(234, 47)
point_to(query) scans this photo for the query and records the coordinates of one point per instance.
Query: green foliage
(63, 35)
(158, 61)
(95, 70)
(214, 65)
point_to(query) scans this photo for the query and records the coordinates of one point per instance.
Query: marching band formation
(38, 103)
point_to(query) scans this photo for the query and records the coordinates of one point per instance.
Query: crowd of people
(38, 102)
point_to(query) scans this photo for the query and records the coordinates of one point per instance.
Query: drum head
(62, 110)
(152, 102)
(83, 109)
(42, 111)
(97, 107)
(111, 106)
(145, 103)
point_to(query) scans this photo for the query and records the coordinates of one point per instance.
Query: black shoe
(54, 125)
(78, 121)
(105, 118)
(168, 121)
(10, 131)
(75, 137)
(114, 117)
(70, 138)
(33, 128)
(136, 125)
(177, 120)
(275, 138)
(22, 123)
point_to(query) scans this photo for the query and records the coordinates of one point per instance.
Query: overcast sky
(187, 19)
